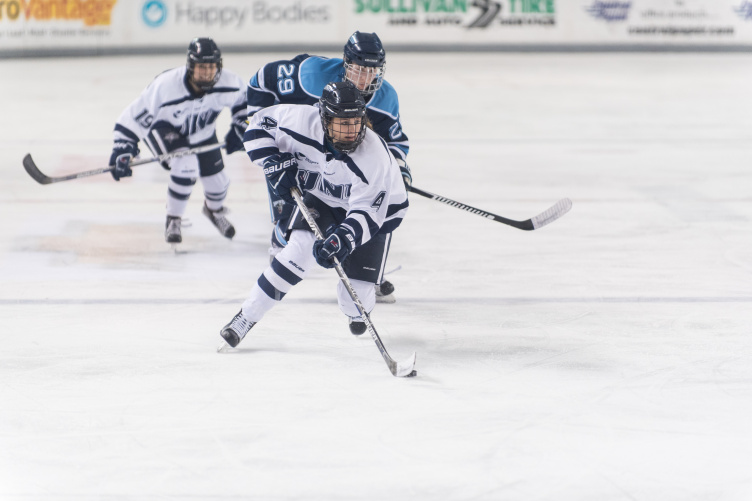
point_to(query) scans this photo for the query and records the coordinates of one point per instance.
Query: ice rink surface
(605, 357)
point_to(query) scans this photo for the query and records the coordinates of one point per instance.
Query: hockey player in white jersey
(352, 184)
(178, 111)
(301, 81)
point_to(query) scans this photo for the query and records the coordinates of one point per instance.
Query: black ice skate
(385, 292)
(234, 332)
(357, 326)
(172, 230)
(218, 219)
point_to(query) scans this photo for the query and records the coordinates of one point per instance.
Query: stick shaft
(546, 217)
(394, 367)
(42, 178)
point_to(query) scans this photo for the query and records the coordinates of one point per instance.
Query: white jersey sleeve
(134, 122)
(238, 103)
(378, 200)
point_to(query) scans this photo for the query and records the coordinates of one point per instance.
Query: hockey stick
(403, 369)
(41, 178)
(546, 217)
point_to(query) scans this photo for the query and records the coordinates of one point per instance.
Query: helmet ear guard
(342, 100)
(365, 62)
(202, 51)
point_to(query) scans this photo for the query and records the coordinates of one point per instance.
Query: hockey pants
(287, 269)
(183, 174)
(184, 171)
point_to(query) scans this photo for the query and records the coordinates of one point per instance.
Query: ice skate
(357, 326)
(234, 332)
(218, 219)
(172, 230)
(385, 292)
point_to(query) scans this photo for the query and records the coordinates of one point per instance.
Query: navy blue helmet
(343, 101)
(365, 62)
(203, 50)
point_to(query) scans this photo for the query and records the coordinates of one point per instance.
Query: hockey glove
(281, 170)
(234, 139)
(337, 245)
(122, 167)
(407, 178)
(120, 159)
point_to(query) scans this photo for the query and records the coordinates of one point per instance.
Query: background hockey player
(301, 81)
(352, 184)
(177, 111)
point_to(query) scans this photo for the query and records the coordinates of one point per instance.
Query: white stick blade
(405, 369)
(552, 214)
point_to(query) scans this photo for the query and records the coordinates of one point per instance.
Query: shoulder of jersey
(385, 99)
(171, 75)
(374, 144)
(169, 82)
(230, 79)
(293, 112)
(316, 71)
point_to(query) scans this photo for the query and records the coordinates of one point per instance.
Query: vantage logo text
(91, 12)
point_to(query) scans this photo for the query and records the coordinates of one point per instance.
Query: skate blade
(388, 299)
(175, 248)
(225, 348)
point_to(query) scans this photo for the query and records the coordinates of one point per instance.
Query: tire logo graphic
(490, 11)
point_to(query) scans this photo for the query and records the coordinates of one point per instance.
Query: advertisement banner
(47, 23)
(461, 21)
(664, 22)
(119, 24)
(36, 26)
(237, 22)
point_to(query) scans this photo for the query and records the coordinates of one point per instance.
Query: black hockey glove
(281, 170)
(407, 178)
(120, 159)
(339, 244)
(234, 139)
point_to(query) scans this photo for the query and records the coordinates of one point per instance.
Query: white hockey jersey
(366, 183)
(169, 100)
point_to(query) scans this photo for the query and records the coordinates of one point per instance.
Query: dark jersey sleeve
(390, 129)
(277, 82)
(383, 111)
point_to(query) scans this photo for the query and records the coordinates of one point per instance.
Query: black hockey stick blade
(42, 178)
(546, 217)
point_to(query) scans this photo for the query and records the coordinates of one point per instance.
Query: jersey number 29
(285, 83)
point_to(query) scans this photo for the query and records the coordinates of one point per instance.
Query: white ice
(603, 357)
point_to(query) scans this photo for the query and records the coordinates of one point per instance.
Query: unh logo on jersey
(268, 123)
(195, 123)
